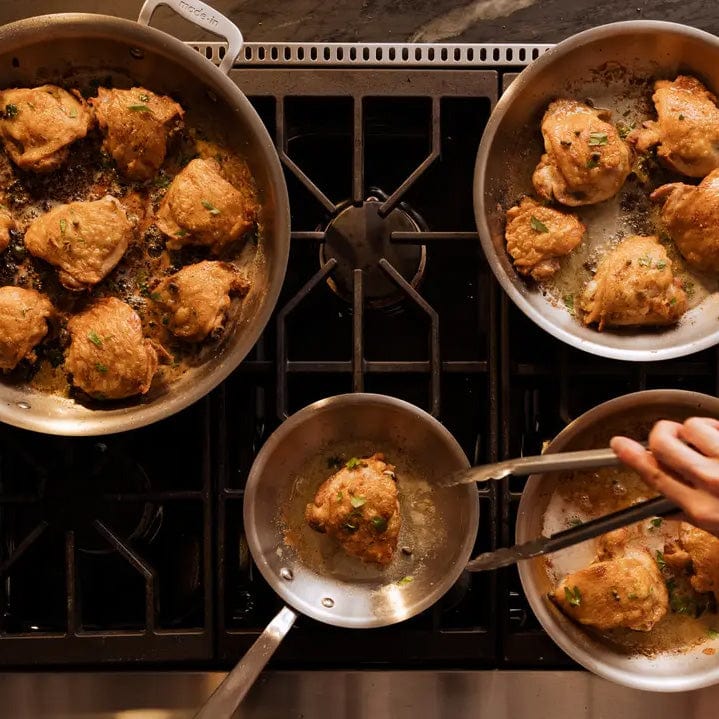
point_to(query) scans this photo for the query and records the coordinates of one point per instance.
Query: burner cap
(358, 237)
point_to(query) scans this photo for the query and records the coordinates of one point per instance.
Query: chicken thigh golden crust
(585, 160)
(537, 236)
(634, 285)
(202, 208)
(137, 125)
(359, 507)
(108, 356)
(690, 214)
(38, 125)
(23, 323)
(198, 297)
(686, 129)
(84, 240)
(698, 552)
(627, 591)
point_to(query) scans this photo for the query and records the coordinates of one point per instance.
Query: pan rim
(539, 318)
(284, 590)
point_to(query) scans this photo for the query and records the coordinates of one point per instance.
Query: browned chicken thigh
(7, 223)
(23, 323)
(202, 208)
(686, 129)
(198, 297)
(84, 240)
(108, 356)
(137, 125)
(585, 160)
(537, 236)
(359, 507)
(690, 214)
(634, 285)
(697, 552)
(38, 125)
(626, 591)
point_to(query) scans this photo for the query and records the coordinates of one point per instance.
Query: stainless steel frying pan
(305, 568)
(614, 66)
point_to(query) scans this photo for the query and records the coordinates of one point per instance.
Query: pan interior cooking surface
(611, 68)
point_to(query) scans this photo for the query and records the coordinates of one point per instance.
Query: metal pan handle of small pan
(224, 701)
(205, 17)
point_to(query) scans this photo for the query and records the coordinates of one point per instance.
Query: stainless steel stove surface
(130, 551)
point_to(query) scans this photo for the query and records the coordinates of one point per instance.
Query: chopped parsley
(575, 522)
(712, 633)
(210, 207)
(537, 225)
(93, 337)
(406, 580)
(632, 596)
(573, 596)
(357, 502)
(353, 463)
(102, 368)
(598, 138)
(593, 161)
(181, 233)
(569, 302)
(379, 523)
(645, 261)
(660, 560)
(144, 97)
(72, 113)
(656, 522)
(63, 226)
(11, 111)
(162, 181)
(339, 496)
(660, 265)
(673, 301)
(155, 296)
(624, 128)
(139, 108)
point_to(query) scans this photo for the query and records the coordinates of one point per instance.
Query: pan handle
(224, 701)
(205, 17)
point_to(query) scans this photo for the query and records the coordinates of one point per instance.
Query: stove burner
(358, 238)
(84, 486)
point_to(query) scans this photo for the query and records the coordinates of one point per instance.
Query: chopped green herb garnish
(624, 129)
(406, 580)
(573, 596)
(592, 162)
(139, 108)
(575, 522)
(353, 463)
(645, 261)
(660, 265)
(63, 226)
(688, 287)
(11, 111)
(632, 596)
(660, 560)
(162, 181)
(339, 496)
(155, 296)
(713, 633)
(181, 233)
(93, 337)
(210, 207)
(72, 113)
(598, 138)
(569, 302)
(673, 301)
(537, 225)
(357, 502)
(102, 368)
(144, 97)
(379, 523)
(656, 522)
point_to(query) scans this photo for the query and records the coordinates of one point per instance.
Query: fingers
(702, 433)
(671, 452)
(635, 456)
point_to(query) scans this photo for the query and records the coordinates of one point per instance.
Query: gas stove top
(130, 549)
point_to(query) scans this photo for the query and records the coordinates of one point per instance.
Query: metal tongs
(585, 459)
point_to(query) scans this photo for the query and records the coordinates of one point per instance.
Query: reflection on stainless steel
(348, 695)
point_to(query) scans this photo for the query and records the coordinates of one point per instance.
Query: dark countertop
(400, 20)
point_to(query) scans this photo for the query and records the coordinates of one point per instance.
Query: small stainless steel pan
(306, 569)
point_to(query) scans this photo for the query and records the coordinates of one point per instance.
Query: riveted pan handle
(227, 697)
(205, 17)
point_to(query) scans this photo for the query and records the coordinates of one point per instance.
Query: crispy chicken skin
(698, 552)
(108, 356)
(198, 297)
(359, 507)
(626, 591)
(634, 285)
(690, 214)
(7, 223)
(686, 129)
(84, 240)
(137, 125)
(537, 236)
(23, 323)
(585, 160)
(38, 125)
(200, 207)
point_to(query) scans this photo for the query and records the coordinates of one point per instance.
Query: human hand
(682, 463)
